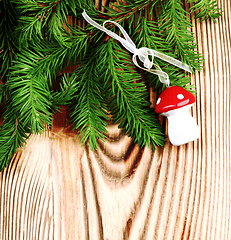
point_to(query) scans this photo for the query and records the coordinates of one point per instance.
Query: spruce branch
(37, 17)
(30, 94)
(8, 23)
(12, 135)
(88, 105)
(3, 92)
(66, 91)
(175, 26)
(130, 9)
(55, 58)
(127, 99)
(207, 9)
(148, 34)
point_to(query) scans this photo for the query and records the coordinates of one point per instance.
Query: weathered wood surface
(54, 189)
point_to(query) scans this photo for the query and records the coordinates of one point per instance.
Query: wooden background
(54, 189)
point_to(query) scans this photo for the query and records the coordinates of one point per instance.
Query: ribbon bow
(142, 53)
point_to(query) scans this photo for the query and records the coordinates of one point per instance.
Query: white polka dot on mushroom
(180, 96)
(158, 101)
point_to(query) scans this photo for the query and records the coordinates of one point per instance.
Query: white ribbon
(142, 53)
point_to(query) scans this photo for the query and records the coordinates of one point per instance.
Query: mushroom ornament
(174, 103)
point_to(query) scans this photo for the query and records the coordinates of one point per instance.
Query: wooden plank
(55, 189)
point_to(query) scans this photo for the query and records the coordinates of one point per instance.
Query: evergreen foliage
(207, 9)
(37, 43)
(127, 98)
(88, 104)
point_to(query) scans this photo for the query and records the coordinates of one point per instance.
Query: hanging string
(142, 53)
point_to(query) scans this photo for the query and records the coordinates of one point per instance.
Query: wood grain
(55, 189)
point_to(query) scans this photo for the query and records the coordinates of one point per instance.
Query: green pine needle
(207, 9)
(64, 95)
(127, 99)
(88, 105)
(8, 21)
(30, 95)
(175, 24)
(12, 135)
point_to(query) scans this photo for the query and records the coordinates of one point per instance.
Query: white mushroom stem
(182, 128)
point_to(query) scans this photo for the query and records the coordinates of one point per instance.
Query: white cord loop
(142, 53)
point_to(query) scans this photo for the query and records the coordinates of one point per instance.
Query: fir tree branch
(8, 23)
(129, 9)
(12, 135)
(127, 99)
(3, 92)
(37, 17)
(148, 34)
(30, 95)
(175, 25)
(64, 95)
(207, 9)
(55, 58)
(88, 114)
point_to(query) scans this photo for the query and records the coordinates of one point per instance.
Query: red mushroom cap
(172, 98)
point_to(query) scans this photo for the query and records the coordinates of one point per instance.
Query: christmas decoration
(37, 44)
(174, 103)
